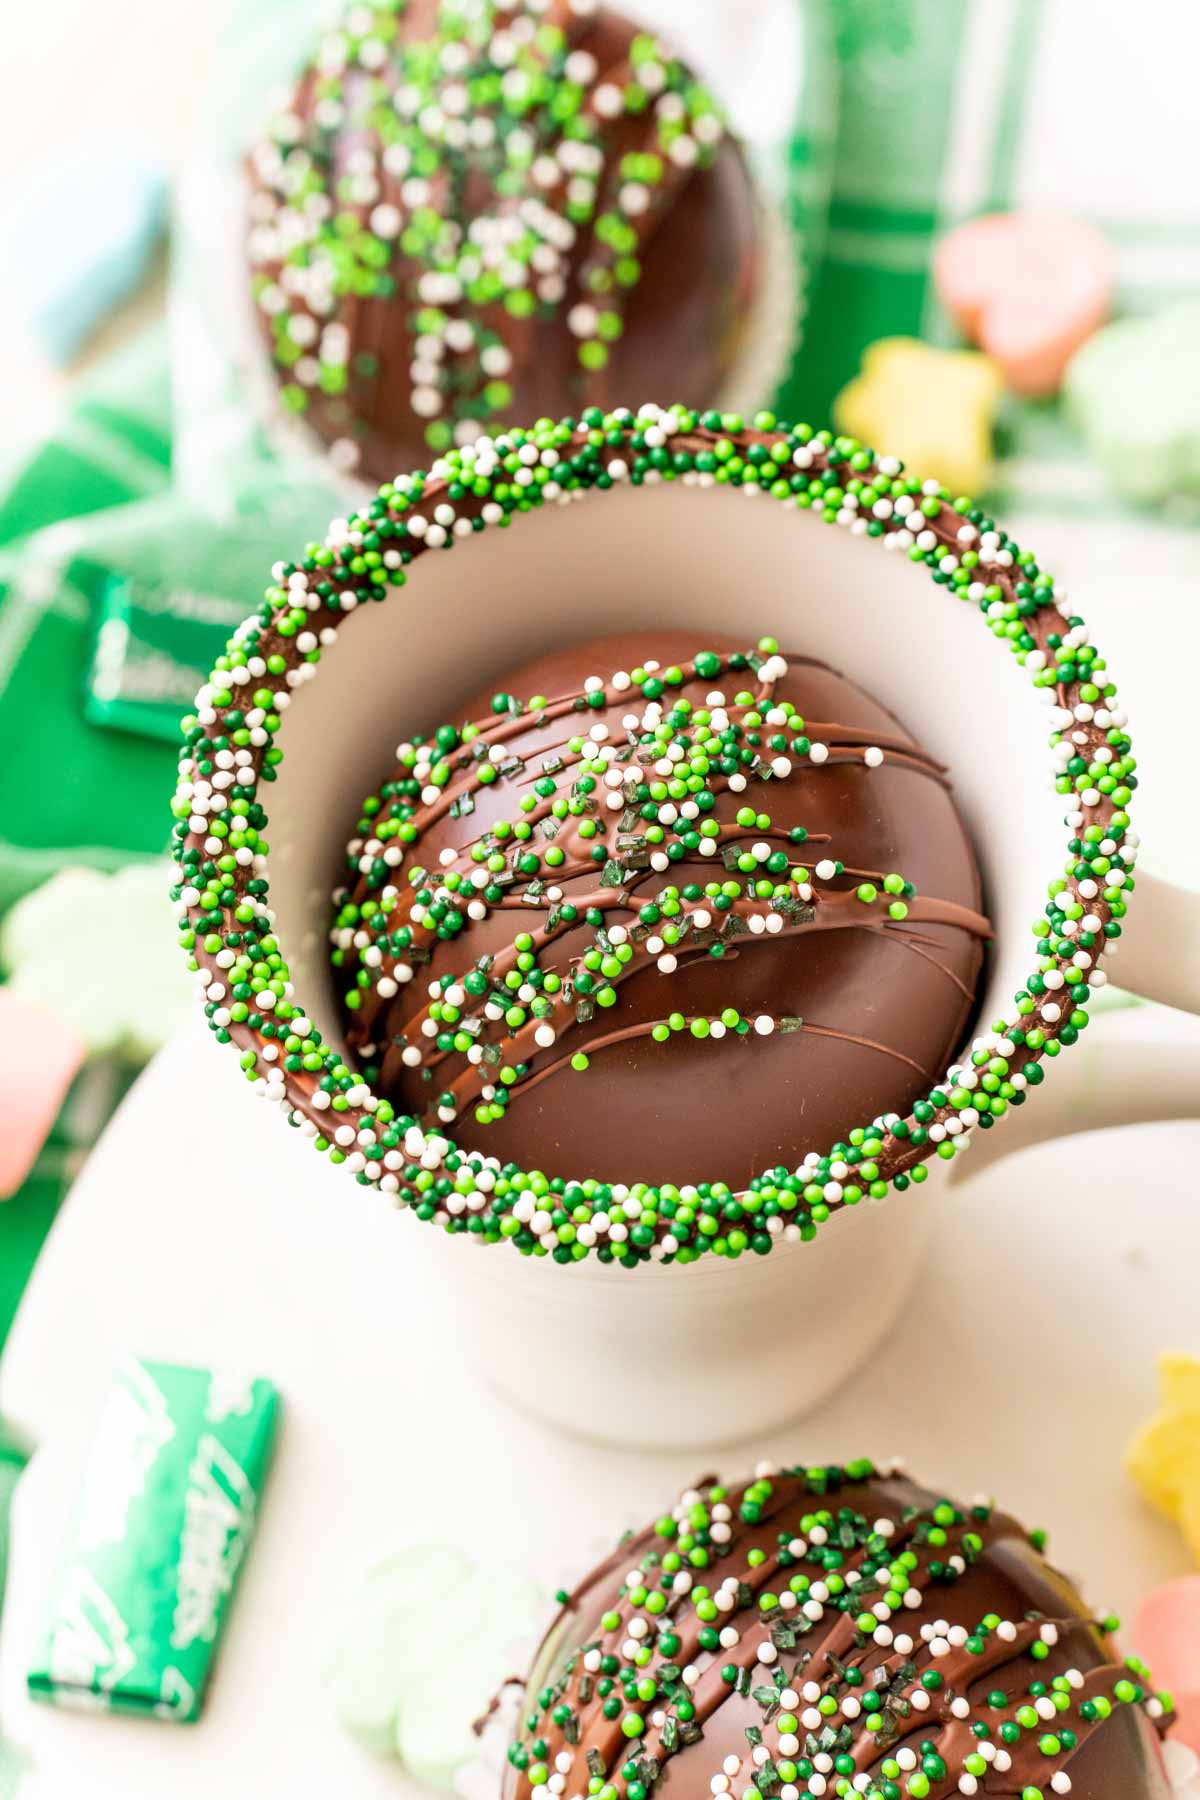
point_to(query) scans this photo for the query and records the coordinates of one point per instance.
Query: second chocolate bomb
(473, 214)
(701, 1017)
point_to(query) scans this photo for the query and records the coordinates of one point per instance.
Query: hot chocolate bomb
(687, 913)
(830, 1632)
(484, 210)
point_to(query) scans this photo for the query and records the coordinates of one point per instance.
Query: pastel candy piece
(1029, 288)
(1164, 1458)
(380, 1646)
(425, 1644)
(39, 1057)
(1167, 1637)
(1183, 1769)
(434, 1736)
(933, 408)
(1133, 392)
(61, 942)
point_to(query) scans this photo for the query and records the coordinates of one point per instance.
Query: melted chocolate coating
(885, 1004)
(985, 1566)
(685, 318)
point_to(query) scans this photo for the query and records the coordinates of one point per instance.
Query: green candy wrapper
(168, 1506)
(153, 648)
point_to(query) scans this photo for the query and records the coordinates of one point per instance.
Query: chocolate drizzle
(827, 1631)
(490, 974)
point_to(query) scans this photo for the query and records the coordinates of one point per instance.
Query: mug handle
(1158, 956)
(1135, 1066)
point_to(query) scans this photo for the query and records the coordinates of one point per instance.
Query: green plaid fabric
(113, 450)
(896, 61)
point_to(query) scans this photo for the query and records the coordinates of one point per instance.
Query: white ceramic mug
(674, 1355)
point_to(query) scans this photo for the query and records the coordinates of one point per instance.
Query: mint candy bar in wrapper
(152, 650)
(168, 1506)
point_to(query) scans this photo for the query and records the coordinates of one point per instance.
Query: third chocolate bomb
(834, 1631)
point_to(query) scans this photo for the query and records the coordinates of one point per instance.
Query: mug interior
(664, 555)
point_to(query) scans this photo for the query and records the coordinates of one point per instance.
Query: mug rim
(222, 884)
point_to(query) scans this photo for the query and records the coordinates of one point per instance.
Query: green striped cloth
(112, 450)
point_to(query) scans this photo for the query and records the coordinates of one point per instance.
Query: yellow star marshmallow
(1164, 1457)
(933, 408)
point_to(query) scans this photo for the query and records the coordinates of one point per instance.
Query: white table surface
(1024, 1372)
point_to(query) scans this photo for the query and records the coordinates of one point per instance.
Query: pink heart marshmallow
(1028, 288)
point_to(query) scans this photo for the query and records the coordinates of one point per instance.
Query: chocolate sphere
(682, 912)
(784, 1637)
(475, 213)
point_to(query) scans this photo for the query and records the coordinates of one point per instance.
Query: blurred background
(144, 490)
